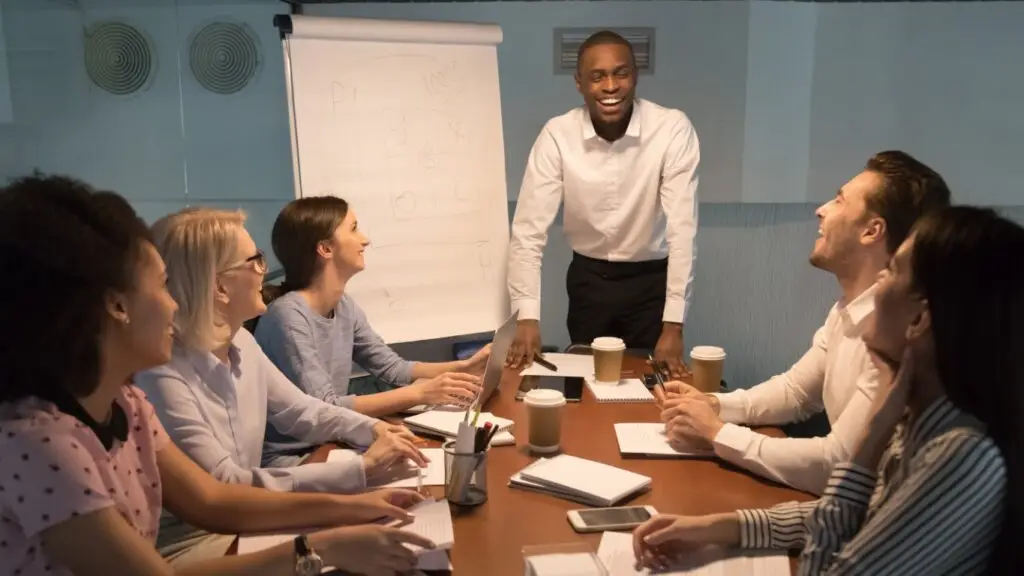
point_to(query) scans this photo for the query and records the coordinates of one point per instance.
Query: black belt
(611, 270)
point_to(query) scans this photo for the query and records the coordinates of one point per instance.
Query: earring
(127, 320)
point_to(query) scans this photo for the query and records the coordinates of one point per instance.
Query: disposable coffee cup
(706, 362)
(544, 413)
(608, 353)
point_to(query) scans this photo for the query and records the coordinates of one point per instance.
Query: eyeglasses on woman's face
(257, 262)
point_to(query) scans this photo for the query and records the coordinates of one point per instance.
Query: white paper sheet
(572, 564)
(405, 476)
(616, 553)
(432, 519)
(648, 439)
(569, 365)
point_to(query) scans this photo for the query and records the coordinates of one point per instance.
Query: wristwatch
(307, 561)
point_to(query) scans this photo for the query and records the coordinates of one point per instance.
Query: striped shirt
(934, 506)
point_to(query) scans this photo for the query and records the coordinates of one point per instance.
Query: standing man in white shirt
(626, 171)
(859, 231)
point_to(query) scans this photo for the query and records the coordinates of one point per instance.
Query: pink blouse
(53, 468)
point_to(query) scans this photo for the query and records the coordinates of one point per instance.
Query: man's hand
(675, 391)
(690, 417)
(669, 349)
(525, 345)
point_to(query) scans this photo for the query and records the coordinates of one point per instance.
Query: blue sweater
(317, 353)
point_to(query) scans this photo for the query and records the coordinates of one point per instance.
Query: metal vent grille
(224, 56)
(568, 41)
(119, 58)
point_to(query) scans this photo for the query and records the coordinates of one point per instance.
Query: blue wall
(786, 110)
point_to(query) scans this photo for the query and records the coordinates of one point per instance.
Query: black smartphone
(571, 387)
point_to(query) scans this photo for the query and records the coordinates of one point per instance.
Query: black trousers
(623, 299)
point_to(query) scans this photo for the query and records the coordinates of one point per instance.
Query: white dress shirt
(836, 375)
(217, 414)
(631, 200)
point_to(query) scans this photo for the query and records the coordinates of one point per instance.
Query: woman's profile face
(348, 245)
(149, 312)
(897, 306)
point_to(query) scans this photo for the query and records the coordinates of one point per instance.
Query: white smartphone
(602, 519)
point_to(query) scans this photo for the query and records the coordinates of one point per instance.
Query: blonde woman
(220, 391)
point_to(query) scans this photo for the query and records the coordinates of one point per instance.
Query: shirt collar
(206, 363)
(854, 312)
(632, 130)
(937, 417)
(116, 429)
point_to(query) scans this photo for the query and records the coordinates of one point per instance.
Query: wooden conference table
(489, 539)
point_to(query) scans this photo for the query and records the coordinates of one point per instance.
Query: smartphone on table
(605, 519)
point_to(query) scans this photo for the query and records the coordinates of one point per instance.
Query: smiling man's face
(606, 77)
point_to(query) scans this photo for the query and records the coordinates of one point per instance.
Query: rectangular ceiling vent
(568, 41)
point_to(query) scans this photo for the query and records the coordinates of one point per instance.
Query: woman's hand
(372, 506)
(477, 363)
(657, 542)
(887, 408)
(450, 388)
(392, 448)
(372, 550)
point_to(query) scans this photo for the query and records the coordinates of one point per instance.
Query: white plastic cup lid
(707, 353)
(608, 344)
(544, 397)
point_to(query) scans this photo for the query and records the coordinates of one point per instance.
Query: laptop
(500, 345)
(503, 338)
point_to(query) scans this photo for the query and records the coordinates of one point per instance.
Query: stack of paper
(568, 366)
(648, 439)
(446, 423)
(616, 554)
(580, 480)
(627, 391)
(405, 475)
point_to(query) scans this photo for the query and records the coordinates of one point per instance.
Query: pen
(540, 360)
(494, 432)
(482, 435)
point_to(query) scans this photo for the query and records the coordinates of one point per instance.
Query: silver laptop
(503, 338)
(500, 345)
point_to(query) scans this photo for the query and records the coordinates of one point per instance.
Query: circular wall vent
(224, 56)
(118, 57)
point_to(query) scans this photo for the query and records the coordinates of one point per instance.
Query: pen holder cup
(465, 476)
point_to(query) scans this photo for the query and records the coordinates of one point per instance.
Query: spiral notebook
(627, 391)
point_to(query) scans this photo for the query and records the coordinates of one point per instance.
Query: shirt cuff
(345, 476)
(733, 441)
(731, 407)
(528, 309)
(755, 529)
(675, 311)
(852, 483)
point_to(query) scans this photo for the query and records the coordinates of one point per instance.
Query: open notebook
(580, 480)
(616, 554)
(446, 423)
(627, 391)
(648, 439)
